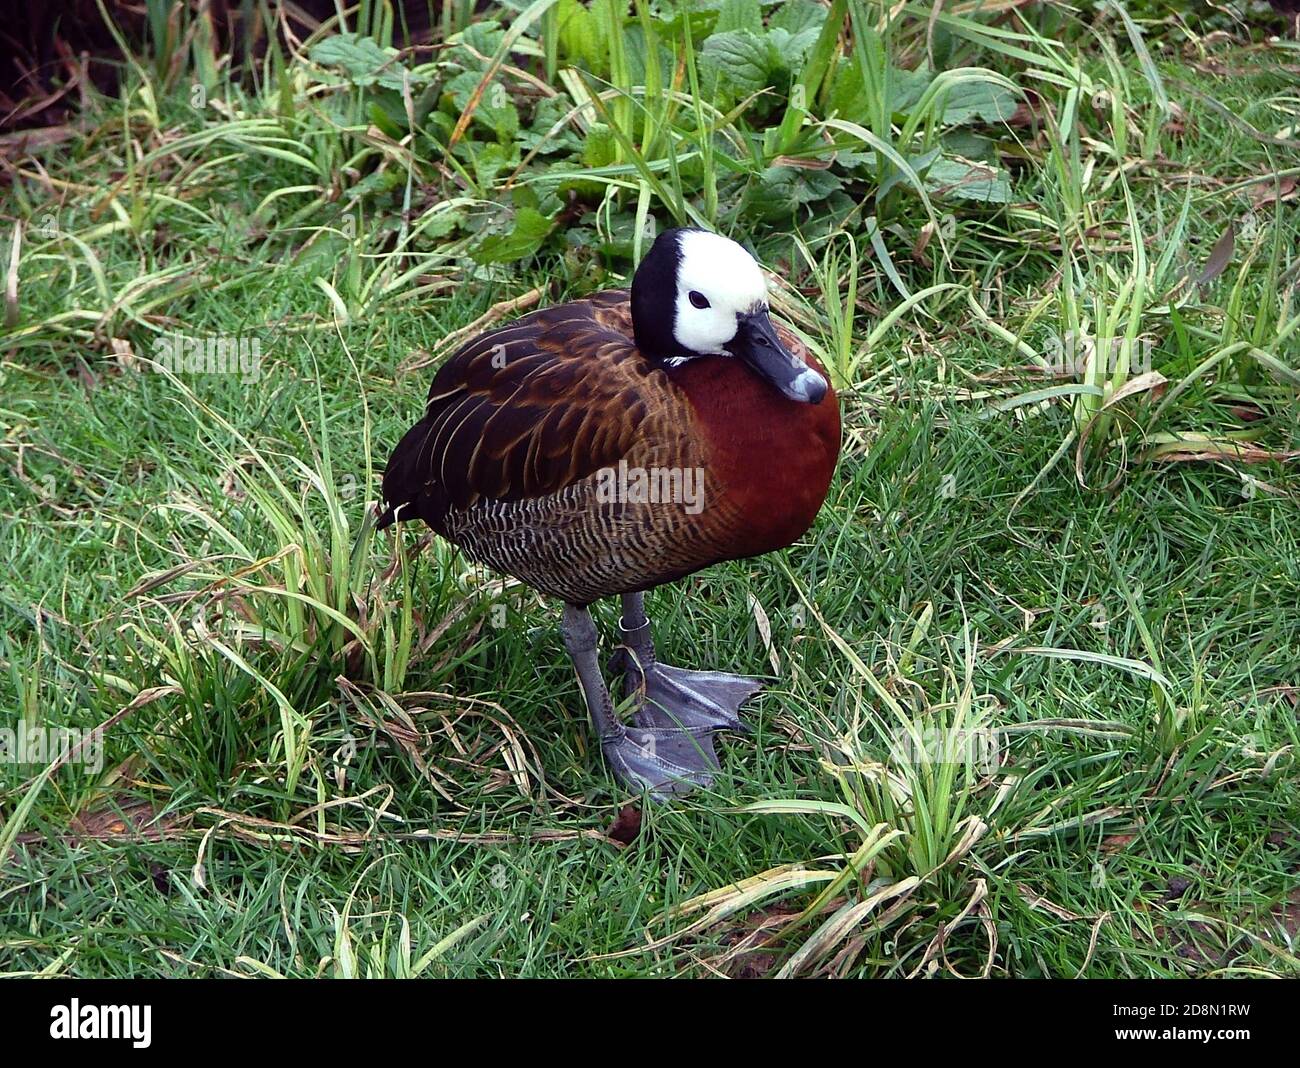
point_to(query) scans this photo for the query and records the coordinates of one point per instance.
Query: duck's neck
(774, 456)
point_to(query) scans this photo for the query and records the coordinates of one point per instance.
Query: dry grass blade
(849, 918)
(500, 310)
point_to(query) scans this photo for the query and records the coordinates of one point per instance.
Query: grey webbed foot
(673, 697)
(668, 748)
(667, 763)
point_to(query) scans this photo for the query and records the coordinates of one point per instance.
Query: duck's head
(697, 293)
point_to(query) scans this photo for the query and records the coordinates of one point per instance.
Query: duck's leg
(696, 701)
(645, 756)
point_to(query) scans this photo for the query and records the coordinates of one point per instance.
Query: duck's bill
(756, 342)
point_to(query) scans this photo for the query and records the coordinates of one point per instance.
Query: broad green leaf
(740, 58)
(363, 61)
(848, 96)
(482, 37)
(634, 51)
(739, 15)
(491, 159)
(529, 233)
(780, 190)
(965, 180)
(546, 114)
(791, 47)
(798, 16)
(970, 145)
(920, 164)
(845, 95)
(985, 102)
(495, 110)
(581, 40)
(906, 87)
(600, 149)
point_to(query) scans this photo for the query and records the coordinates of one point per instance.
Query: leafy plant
(914, 800)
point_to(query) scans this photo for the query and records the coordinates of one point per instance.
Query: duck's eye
(698, 298)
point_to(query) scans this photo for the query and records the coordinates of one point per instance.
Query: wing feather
(527, 410)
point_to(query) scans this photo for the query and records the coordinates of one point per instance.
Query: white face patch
(718, 270)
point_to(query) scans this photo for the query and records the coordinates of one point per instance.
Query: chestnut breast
(772, 456)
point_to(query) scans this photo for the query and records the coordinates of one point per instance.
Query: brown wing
(526, 410)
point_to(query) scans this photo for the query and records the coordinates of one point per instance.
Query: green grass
(339, 760)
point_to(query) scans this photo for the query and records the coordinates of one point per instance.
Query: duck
(610, 445)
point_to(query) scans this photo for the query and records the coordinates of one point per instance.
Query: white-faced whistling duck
(609, 445)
